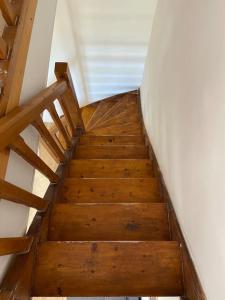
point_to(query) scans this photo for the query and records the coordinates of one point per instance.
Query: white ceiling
(105, 42)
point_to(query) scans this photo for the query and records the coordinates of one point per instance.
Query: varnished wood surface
(110, 168)
(15, 194)
(17, 120)
(49, 141)
(22, 149)
(108, 190)
(8, 12)
(92, 140)
(17, 245)
(108, 268)
(111, 152)
(109, 222)
(125, 129)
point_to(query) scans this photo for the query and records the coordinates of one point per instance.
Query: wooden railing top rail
(15, 122)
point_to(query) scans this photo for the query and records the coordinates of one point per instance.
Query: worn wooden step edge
(107, 222)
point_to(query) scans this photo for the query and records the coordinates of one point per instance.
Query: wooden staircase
(108, 231)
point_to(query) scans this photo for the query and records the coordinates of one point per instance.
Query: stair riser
(109, 222)
(111, 152)
(110, 168)
(111, 190)
(108, 268)
(111, 140)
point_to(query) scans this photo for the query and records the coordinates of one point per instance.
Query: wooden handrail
(15, 194)
(19, 245)
(16, 121)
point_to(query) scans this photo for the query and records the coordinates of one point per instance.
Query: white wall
(105, 43)
(183, 102)
(13, 217)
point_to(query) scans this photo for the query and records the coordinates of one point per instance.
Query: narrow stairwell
(109, 231)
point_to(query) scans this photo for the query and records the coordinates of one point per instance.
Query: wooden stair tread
(110, 168)
(110, 190)
(124, 129)
(87, 113)
(111, 152)
(108, 268)
(98, 140)
(109, 222)
(122, 105)
(129, 115)
(102, 108)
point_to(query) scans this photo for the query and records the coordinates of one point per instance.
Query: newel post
(69, 100)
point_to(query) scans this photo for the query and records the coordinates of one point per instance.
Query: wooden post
(62, 72)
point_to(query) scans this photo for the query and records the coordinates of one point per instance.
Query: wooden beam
(17, 120)
(15, 194)
(19, 245)
(48, 139)
(62, 72)
(8, 12)
(3, 49)
(58, 122)
(21, 148)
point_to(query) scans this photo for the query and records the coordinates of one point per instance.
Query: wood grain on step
(111, 152)
(109, 222)
(110, 168)
(92, 140)
(110, 190)
(86, 269)
(102, 108)
(124, 129)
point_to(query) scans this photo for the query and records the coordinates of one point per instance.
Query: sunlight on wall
(105, 43)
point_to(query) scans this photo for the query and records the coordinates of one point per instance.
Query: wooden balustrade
(12, 125)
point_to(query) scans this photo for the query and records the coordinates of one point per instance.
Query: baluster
(8, 12)
(49, 140)
(58, 123)
(21, 148)
(13, 193)
(69, 98)
(19, 245)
